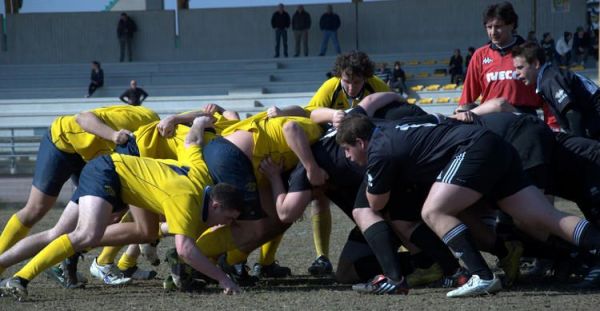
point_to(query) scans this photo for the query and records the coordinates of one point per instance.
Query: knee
(428, 214)
(85, 238)
(33, 212)
(147, 234)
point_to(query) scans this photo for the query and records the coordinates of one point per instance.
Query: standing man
(133, 95)
(301, 25)
(125, 31)
(280, 21)
(329, 24)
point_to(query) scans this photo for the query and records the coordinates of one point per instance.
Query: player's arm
(166, 126)
(288, 111)
(378, 201)
(123, 96)
(90, 123)
(187, 250)
(376, 101)
(290, 206)
(327, 115)
(211, 108)
(298, 141)
(196, 133)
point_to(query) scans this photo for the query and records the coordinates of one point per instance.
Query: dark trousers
(92, 88)
(301, 38)
(281, 35)
(125, 43)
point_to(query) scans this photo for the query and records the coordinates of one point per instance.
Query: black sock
(460, 242)
(429, 243)
(380, 238)
(586, 236)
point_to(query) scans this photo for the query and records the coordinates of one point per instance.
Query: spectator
(470, 52)
(398, 81)
(125, 31)
(563, 48)
(300, 25)
(455, 67)
(280, 21)
(581, 45)
(329, 24)
(133, 95)
(547, 45)
(384, 73)
(96, 78)
(531, 37)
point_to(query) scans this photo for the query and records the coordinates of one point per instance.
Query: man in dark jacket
(329, 24)
(133, 95)
(301, 25)
(125, 31)
(280, 21)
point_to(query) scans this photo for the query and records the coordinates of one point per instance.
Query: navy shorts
(228, 164)
(54, 167)
(100, 179)
(129, 148)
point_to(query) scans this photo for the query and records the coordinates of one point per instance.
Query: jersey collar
(205, 201)
(538, 83)
(506, 49)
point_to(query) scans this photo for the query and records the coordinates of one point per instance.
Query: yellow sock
(214, 242)
(108, 255)
(13, 232)
(321, 225)
(268, 251)
(58, 250)
(236, 256)
(126, 262)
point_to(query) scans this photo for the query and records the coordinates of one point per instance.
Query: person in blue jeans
(329, 24)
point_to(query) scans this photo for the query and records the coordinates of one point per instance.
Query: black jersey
(564, 90)
(413, 152)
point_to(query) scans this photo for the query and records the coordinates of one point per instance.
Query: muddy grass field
(299, 292)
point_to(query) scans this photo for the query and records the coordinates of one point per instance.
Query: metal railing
(18, 145)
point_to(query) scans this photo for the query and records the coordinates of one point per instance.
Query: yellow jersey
(175, 189)
(331, 94)
(269, 140)
(69, 137)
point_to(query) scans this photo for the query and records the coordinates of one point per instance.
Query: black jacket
(301, 21)
(126, 28)
(97, 77)
(280, 21)
(330, 22)
(134, 97)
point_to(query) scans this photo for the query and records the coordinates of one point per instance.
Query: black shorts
(228, 164)
(405, 203)
(489, 166)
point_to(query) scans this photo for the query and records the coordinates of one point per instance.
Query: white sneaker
(110, 274)
(476, 286)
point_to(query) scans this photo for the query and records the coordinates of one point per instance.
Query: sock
(13, 232)
(213, 243)
(236, 256)
(430, 244)
(126, 262)
(460, 242)
(321, 225)
(108, 255)
(58, 250)
(380, 238)
(586, 236)
(268, 251)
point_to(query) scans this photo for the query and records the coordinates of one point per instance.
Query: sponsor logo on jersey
(501, 75)
(560, 95)
(370, 179)
(487, 60)
(406, 127)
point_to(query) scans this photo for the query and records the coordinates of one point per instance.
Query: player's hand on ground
(337, 117)
(166, 127)
(212, 108)
(121, 136)
(229, 287)
(274, 112)
(317, 176)
(270, 168)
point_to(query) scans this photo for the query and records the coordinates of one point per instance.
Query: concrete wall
(207, 34)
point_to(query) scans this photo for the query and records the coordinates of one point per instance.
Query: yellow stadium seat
(413, 62)
(444, 62)
(429, 62)
(411, 101)
(433, 87)
(456, 99)
(438, 74)
(409, 76)
(442, 100)
(577, 68)
(427, 100)
(416, 88)
(423, 74)
(449, 87)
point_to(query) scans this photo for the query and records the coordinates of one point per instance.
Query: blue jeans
(281, 34)
(333, 35)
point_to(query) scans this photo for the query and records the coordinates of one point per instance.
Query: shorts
(489, 165)
(228, 164)
(100, 179)
(54, 167)
(129, 148)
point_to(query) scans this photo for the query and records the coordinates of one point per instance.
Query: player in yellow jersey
(179, 190)
(235, 159)
(353, 81)
(63, 151)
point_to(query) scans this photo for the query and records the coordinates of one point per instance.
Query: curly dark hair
(503, 11)
(353, 64)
